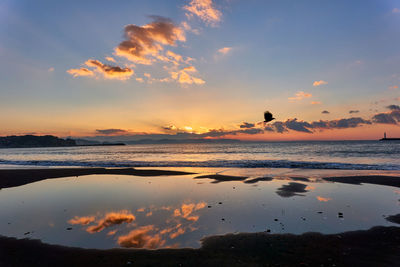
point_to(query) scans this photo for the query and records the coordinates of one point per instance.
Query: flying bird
(268, 116)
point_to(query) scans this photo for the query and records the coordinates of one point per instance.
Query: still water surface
(107, 211)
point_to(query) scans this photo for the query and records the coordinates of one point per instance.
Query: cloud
(111, 59)
(300, 95)
(50, 69)
(247, 125)
(225, 50)
(396, 10)
(299, 126)
(80, 72)
(111, 219)
(143, 44)
(184, 76)
(82, 220)
(316, 102)
(325, 112)
(110, 72)
(320, 82)
(353, 111)
(140, 238)
(205, 10)
(340, 123)
(393, 87)
(110, 131)
(279, 127)
(393, 107)
(387, 118)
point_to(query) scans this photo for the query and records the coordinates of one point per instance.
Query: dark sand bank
(379, 246)
(221, 178)
(11, 178)
(370, 179)
(394, 218)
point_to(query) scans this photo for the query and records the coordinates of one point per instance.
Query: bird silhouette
(268, 116)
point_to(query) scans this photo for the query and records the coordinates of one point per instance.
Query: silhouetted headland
(45, 141)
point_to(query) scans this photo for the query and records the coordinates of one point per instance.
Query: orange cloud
(80, 72)
(81, 220)
(205, 10)
(323, 199)
(143, 43)
(110, 72)
(316, 102)
(300, 95)
(320, 82)
(110, 219)
(183, 76)
(393, 87)
(225, 50)
(111, 59)
(140, 238)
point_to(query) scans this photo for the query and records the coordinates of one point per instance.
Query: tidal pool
(107, 211)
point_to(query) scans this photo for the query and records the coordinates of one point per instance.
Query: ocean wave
(211, 163)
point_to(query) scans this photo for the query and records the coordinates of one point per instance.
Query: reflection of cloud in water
(186, 210)
(323, 199)
(177, 222)
(82, 220)
(112, 232)
(141, 238)
(291, 189)
(110, 219)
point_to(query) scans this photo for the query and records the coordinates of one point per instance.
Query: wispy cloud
(396, 10)
(316, 102)
(393, 87)
(80, 72)
(110, 72)
(205, 10)
(320, 82)
(111, 131)
(111, 59)
(184, 76)
(299, 96)
(225, 50)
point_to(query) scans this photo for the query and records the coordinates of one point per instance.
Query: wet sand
(379, 246)
(370, 179)
(17, 177)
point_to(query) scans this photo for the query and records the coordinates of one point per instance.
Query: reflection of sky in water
(105, 211)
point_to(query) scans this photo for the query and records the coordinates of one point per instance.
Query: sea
(339, 155)
(281, 190)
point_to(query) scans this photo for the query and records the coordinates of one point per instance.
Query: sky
(200, 69)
